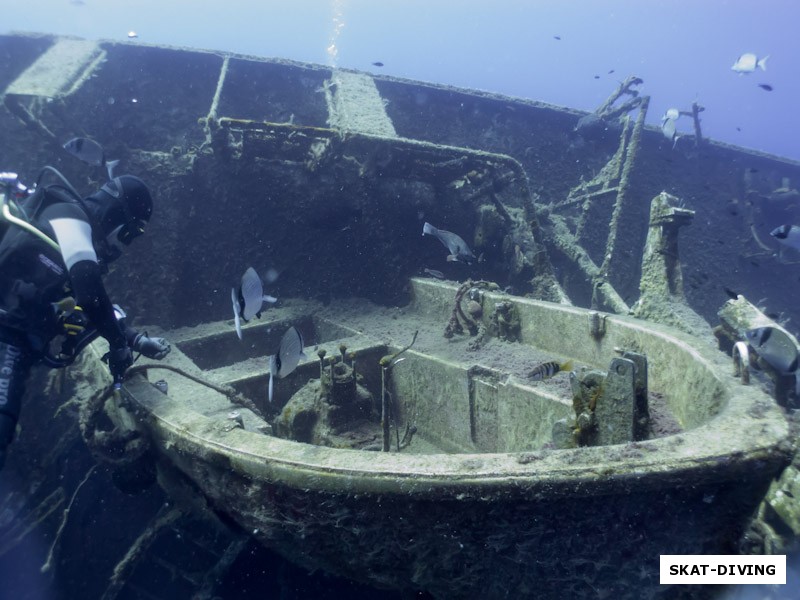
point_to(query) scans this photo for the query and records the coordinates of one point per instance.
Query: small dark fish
(434, 273)
(738, 129)
(733, 295)
(597, 76)
(611, 71)
(765, 86)
(459, 251)
(289, 354)
(91, 153)
(667, 253)
(546, 370)
(377, 63)
(557, 37)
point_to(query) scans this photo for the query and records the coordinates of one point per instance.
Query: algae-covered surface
(360, 495)
(325, 178)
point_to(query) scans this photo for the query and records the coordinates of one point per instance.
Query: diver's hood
(121, 201)
(120, 210)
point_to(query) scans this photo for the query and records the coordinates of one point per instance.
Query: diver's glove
(119, 359)
(151, 347)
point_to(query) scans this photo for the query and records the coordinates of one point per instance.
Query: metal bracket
(597, 325)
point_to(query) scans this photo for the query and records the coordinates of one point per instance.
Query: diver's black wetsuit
(34, 278)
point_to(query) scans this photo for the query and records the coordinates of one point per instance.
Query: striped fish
(547, 369)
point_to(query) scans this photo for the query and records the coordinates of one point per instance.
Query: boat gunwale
(717, 450)
(485, 475)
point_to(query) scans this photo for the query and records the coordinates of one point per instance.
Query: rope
(116, 447)
(232, 395)
(120, 446)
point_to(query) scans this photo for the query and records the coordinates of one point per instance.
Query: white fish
(287, 358)
(236, 320)
(775, 348)
(91, 153)
(672, 113)
(668, 129)
(788, 235)
(132, 34)
(458, 247)
(248, 299)
(747, 63)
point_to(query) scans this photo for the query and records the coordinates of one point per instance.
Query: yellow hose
(26, 226)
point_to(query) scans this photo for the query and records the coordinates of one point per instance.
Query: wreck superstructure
(328, 175)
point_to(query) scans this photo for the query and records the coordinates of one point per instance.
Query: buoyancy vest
(33, 275)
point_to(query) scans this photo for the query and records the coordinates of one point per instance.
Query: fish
(557, 37)
(775, 348)
(668, 129)
(237, 321)
(459, 251)
(671, 113)
(434, 273)
(91, 153)
(286, 360)
(132, 35)
(547, 369)
(731, 293)
(765, 86)
(789, 235)
(749, 62)
(377, 63)
(249, 298)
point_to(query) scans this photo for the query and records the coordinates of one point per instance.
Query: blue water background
(683, 49)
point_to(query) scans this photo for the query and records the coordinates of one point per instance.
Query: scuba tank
(11, 191)
(13, 213)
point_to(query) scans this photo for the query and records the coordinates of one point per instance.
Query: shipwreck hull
(539, 522)
(328, 174)
(517, 538)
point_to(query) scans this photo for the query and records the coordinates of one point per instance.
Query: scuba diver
(54, 248)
